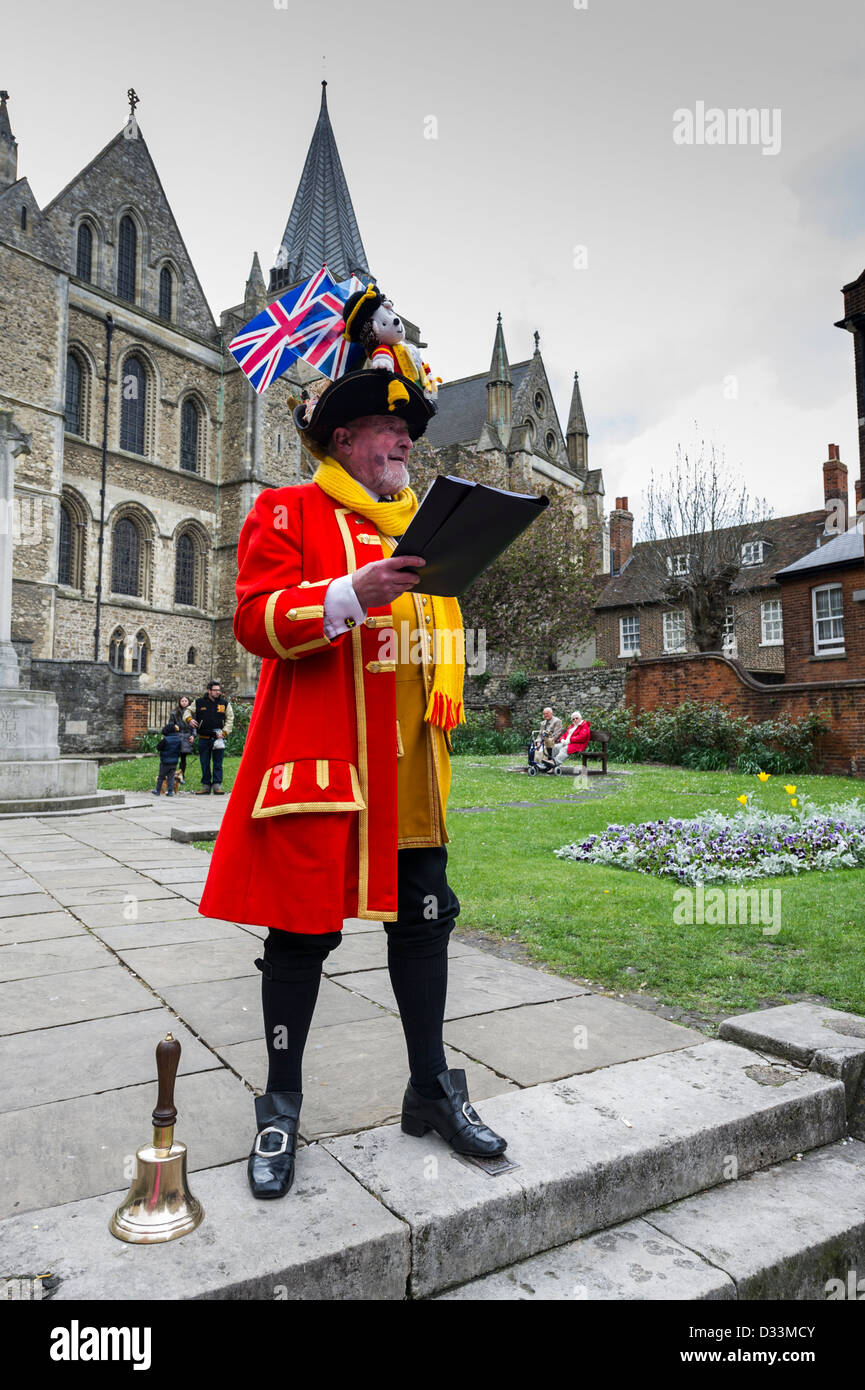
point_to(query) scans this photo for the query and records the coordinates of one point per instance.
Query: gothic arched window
(189, 427)
(115, 649)
(184, 574)
(165, 293)
(133, 411)
(126, 558)
(127, 254)
(84, 253)
(190, 657)
(64, 560)
(141, 653)
(73, 395)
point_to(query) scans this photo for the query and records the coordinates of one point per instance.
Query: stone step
(327, 1239)
(593, 1151)
(825, 1040)
(792, 1231)
(382, 1215)
(61, 805)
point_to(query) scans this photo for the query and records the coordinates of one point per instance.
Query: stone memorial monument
(34, 779)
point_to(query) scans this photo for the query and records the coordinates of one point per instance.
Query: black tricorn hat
(369, 391)
(358, 309)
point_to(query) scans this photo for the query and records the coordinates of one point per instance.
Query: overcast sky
(704, 300)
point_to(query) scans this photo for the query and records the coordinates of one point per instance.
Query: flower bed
(715, 847)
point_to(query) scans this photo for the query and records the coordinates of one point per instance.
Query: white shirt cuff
(341, 603)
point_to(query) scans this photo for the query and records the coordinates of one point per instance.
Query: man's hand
(384, 580)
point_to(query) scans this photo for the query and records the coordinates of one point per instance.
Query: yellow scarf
(445, 706)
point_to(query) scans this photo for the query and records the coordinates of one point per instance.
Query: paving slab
(594, 1151)
(826, 1040)
(191, 892)
(222, 1011)
(99, 1055)
(354, 1074)
(140, 889)
(631, 1262)
(358, 951)
(544, 1042)
(192, 874)
(111, 914)
(186, 834)
(18, 884)
(360, 924)
(477, 983)
(18, 905)
(785, 1232)
(192, 962)
(52, 957)
(82, 878)
(327, 1240)
(183, 930)
(50, 1000)
(93, 1139)
(41, 926)
(229, 1011)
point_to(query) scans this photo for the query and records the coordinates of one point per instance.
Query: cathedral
(148, 446)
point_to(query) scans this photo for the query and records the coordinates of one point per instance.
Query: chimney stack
(621, 534)
(835, 491)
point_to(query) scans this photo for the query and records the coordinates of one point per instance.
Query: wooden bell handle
(167, 1061)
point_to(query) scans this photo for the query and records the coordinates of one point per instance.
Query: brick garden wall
(653, 682)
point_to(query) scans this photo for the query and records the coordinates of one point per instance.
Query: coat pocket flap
(309, 784)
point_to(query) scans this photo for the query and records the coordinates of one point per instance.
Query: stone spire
(8, 147)
(322, 224)
(577, 434)
(499, 388)
(255, 295)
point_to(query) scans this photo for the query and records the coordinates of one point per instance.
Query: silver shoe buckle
(271, 1153)
(474, 1118)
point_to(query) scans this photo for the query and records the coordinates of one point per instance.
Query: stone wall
(708, 677)
(564, 691)
(90, 700)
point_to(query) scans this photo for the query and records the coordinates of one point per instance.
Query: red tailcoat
(309, 835)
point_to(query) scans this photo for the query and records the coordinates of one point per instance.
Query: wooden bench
(602, 738)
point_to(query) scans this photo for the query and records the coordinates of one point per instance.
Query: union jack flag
(305, 322)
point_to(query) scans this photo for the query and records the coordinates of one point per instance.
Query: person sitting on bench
(575, 739)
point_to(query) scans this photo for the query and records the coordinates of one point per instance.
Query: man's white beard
(394, 479)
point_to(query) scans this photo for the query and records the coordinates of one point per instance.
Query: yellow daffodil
(764, 776)
(743, 798)
(791, 791)
(794, 801)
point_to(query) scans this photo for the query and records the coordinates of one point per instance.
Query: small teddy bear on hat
(371, 321)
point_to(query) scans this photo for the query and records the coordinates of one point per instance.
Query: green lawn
(616, 928)
(603, 924)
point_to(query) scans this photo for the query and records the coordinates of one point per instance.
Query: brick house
(823, 592)
(633, 618)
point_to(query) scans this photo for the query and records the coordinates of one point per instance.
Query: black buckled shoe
(453, 1117)
(271, 1162)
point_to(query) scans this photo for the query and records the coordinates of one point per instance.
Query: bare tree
(697, 521)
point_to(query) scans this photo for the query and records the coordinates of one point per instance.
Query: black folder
(461, 527)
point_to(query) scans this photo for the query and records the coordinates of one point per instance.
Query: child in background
(168, 749)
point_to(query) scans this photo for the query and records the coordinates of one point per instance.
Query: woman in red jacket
(575, 739)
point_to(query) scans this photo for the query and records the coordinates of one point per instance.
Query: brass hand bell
(159, 1205)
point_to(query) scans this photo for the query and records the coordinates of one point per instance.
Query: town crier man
(338, 807)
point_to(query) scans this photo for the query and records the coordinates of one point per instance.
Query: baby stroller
(539, 759)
